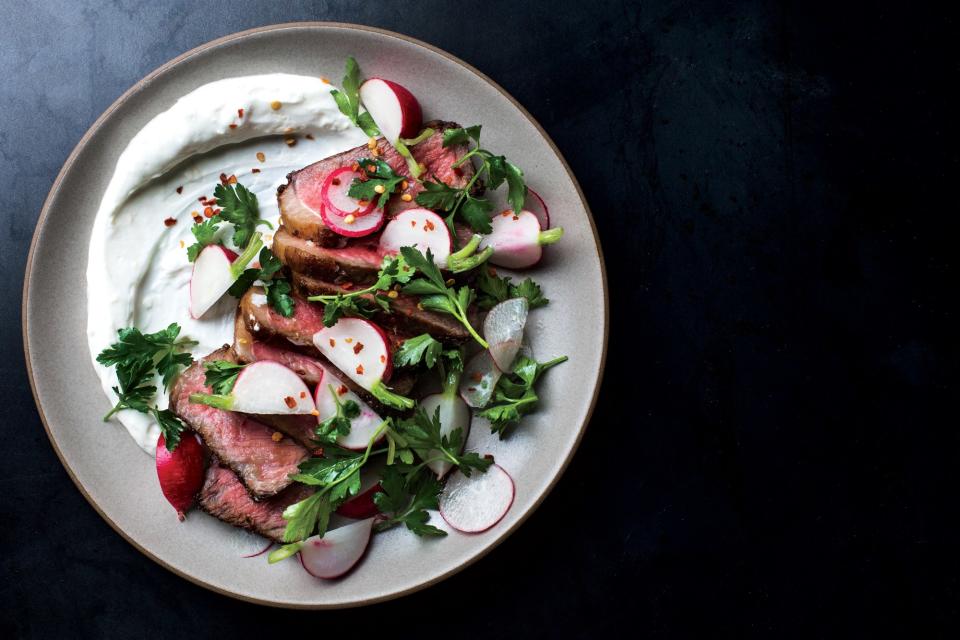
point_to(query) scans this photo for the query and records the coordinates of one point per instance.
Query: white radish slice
(394, 109)
(334, 194)
(358, 348)
(352, 226)
(503, 330)
(535, 205)
(338, 551)
(267, 387)
(362, 427)
(420, 228)
(475, 504)
(480, 377)
(212, 275)
(514, 240)
(454, 414)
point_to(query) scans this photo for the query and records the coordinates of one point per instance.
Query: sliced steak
(266, 325)
(356, 263)
(406, 314)
(301, 215)
(240, 442)
(223, 496)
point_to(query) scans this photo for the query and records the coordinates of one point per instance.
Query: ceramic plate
(120, 481)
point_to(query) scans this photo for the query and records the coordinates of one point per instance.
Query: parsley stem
(117, 408)
(462, 317)
(248, 254)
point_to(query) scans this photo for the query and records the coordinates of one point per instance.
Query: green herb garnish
(493, 289)
(348, 100)
(405, 500)
(221, 375)
(238, 206)
(393, 270)
(514, 396)
(338, 424)
(275, 286)
(382, 176)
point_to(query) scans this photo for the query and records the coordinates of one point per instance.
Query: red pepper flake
(208, 212)
(335, 182)
(254, 170)
(240, 112)
(180, 189)
(333, 342)
(429, 226)
(201, 199)
(357, 348)
(290, 402)
(476, 377)
(458, 171)
(383, 359)
(232, 179)
(324, 80)
(223, 178)
(309, 136)
(169, 222)
(359, 369)
(341, 390)
(355, 166)
(233, 126)
(505, 213)
(413, 223)
(371, 168)
(196, 216)
(346, 286)
(303, 394)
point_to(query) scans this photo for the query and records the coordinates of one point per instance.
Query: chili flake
(359, 369)
(341, 390)
(333, 342)
(260, 156)
(169, 222)
(180, 189)
(357, 348)
(290, 402)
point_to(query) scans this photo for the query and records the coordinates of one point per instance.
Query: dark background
(775, 447)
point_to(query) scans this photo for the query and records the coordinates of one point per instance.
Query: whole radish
(180, 471)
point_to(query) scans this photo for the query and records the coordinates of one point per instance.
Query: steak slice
(224, 497)
(240, 442)
(266, 325)
(356, 263)
(301, 215)
(406, 314)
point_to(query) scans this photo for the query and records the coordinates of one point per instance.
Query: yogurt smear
(137, 271)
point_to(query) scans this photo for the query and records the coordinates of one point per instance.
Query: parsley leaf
(436, 295)
(205, 232)
(278, 296)
(136, 356)
(239, 206)
(421, 348)
(378, 184)
(494, 289)
(421, 432)
(221, 375)
(276, 288)
(394, 499)
(514, 396)
(393, 270)
(348, 100)
(339, 423)
(437, 195)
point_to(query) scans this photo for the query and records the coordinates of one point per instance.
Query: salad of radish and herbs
(371, 329)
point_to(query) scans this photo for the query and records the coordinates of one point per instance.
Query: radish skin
(338, 551)
(264, 387)
(334, 194)
(180, 471)
(518, 240)
(214, 270)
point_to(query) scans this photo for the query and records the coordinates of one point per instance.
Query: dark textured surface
(775, 449)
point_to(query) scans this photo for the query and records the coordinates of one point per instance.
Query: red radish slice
(518, 240)
(475, 504)
(214, 270)
(454, 414)
(361, 506)
(362, 427)
(335, 198)
(180, 471)
(261, 552)
(357, 347)
(480, 376)
(420, 228)
(503, 330)
(338, 551)
(264, 388)
(535, 205)
(352, 226)
(394, 109)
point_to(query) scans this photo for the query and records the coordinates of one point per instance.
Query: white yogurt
(138, 273)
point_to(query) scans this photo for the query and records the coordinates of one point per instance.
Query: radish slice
(362, 427)
(362, 506)
(358, 348)
(480, 377)
(518, 240)
(335, 198)
(454, 414)
(338, 551)
(261, 552)
(214, 270)
(264, 388)
(535, 205)
(180, 471)
(475, 504)
(394, 109)
(352, 226)
(503, 330)
(420, 228)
